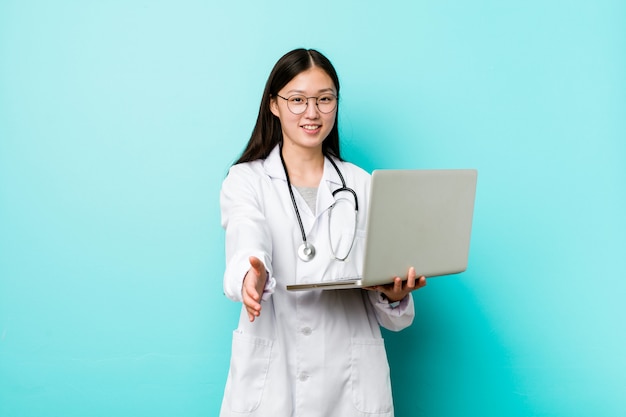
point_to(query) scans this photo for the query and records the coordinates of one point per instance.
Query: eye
(326, 99)
(297, 99)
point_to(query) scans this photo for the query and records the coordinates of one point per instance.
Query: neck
(304, 166)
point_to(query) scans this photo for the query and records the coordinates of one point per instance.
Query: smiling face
(308, 129)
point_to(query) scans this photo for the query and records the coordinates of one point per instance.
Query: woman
(308, 353)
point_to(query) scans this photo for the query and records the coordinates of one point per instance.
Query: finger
(412, 275)
(410, 282)
(251, 299)
(249, 289)
(250, 308)
(252, 313)
(250, 316)
(421, 282)
(397, 284)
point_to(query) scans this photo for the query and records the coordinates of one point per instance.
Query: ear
(274, 106)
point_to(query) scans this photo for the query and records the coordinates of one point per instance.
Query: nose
(312, 112)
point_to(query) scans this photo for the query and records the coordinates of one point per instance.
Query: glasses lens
(326, 103)
(297, 104)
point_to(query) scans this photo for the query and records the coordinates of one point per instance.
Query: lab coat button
(307, 331)
(303, 377)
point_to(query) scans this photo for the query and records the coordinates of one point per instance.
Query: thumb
(256, 264)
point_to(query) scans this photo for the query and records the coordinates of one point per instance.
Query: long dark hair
(267, 132)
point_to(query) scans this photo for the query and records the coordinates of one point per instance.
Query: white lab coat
(310, 353)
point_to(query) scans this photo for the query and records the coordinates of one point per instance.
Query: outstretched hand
(253, 286)
(399, 288)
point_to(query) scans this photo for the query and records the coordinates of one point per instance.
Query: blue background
(119, 120)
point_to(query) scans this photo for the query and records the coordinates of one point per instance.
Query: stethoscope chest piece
(306, 251)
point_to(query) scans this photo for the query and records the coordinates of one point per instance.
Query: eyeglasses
(298, 103)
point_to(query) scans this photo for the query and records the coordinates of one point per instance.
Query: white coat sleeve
(391, 318)
(247, 234)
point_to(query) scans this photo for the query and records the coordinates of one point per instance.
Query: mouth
(311, 128)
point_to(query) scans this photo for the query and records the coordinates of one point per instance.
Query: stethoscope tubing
(307, 251)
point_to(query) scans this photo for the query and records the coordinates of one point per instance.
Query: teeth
(310, 127)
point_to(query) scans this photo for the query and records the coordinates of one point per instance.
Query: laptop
(419, 218)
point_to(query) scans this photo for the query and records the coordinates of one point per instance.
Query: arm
(247, 235)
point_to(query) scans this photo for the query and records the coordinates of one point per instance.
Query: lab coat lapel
(273, 166)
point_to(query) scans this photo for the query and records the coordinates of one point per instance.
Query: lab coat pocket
(249, 366)
(369, 376)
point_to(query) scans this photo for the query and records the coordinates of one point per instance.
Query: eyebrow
(323, 90)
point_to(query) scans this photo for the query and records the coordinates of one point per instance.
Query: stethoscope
(306, 251)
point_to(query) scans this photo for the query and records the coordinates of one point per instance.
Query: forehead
(311, 81)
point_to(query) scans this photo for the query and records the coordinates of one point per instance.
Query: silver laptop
(419, 218)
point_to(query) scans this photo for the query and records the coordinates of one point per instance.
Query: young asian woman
(308, 353)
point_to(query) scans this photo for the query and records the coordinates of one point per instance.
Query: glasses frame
(307, 102)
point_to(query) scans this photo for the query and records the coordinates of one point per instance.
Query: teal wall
(119, 119)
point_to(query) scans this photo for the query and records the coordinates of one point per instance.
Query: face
(310, 128)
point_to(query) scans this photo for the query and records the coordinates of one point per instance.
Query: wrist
(392, 302)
